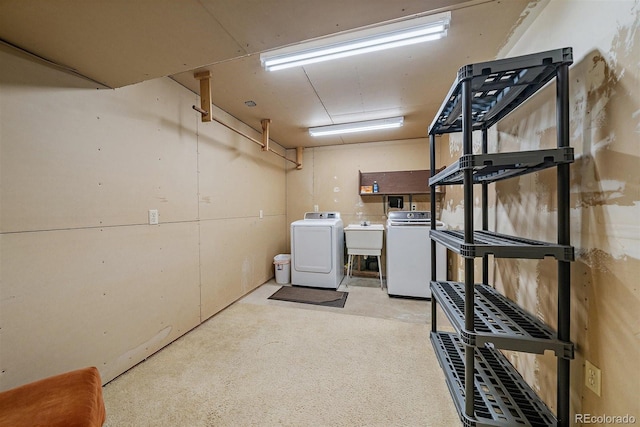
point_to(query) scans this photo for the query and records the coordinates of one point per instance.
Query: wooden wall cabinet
(397, 182)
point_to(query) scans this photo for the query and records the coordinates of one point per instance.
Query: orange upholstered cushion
(73, 399)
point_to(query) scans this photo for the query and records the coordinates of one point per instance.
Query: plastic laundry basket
(282, 263)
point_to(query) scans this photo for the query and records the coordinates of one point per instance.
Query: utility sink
(364, 239)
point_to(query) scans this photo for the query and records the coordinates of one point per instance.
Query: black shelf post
(485, 209)
(564, 238)
(467, 148)
(432, 161)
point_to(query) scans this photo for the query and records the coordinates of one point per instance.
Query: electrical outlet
(315, 208)
(153, 216)
(261, 214)
(592, 377)
(414, 206)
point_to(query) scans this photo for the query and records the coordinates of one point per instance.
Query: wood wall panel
(237, 178)
(330, 178)
(230, 271)
(102, 296)
(85, 158)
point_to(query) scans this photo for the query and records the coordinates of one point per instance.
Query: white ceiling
(122, 42)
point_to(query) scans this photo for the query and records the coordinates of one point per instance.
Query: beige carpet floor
(267, 365)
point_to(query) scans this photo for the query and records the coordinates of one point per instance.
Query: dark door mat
(324, 297)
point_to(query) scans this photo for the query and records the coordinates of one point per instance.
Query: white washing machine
(409, 254)
(317, 250)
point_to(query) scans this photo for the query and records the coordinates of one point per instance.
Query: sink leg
(380, 272)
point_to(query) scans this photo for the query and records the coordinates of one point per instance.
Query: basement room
(302, 213)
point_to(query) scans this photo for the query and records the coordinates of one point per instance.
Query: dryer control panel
(322, 215)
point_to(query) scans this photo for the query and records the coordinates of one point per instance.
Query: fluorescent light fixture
(369, 39)
(388, 123)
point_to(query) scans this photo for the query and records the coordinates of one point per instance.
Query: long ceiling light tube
(385, 37)
(367, 125)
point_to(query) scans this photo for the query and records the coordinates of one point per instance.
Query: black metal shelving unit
(484, 320)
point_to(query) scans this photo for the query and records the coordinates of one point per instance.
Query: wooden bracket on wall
(205, 94)
(299, 151)
(265, 134)
(206, 109)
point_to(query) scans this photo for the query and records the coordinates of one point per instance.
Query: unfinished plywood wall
(84, 279)
(605, 202)
(330, 178)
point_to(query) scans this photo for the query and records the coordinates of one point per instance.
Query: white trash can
(283, 268)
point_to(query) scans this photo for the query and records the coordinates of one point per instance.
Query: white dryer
(317, 250)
